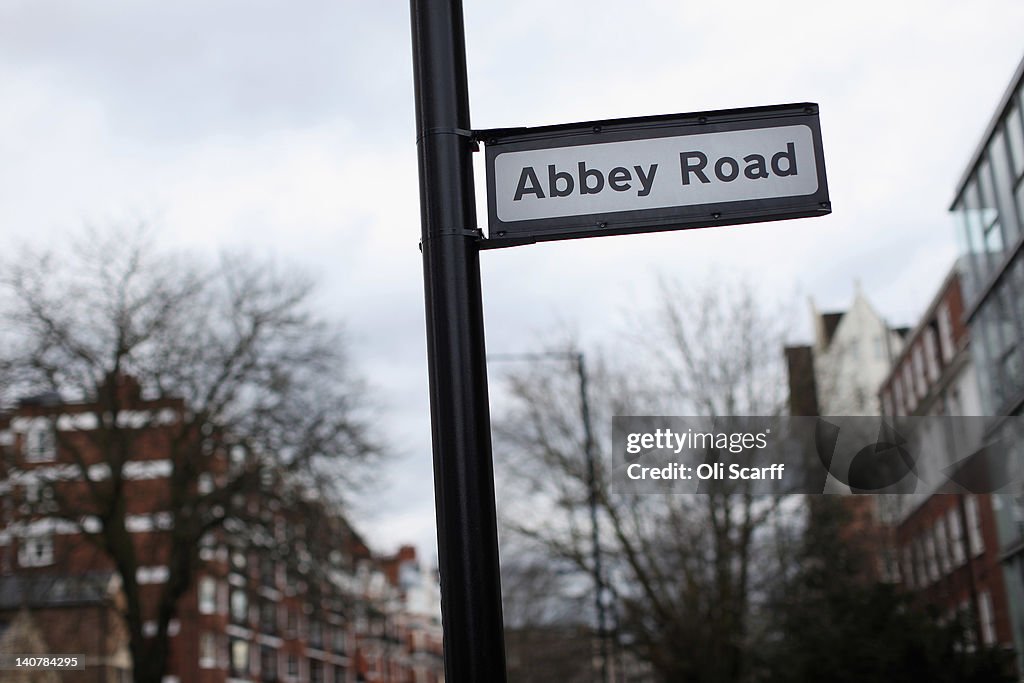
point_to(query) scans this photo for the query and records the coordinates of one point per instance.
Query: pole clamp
(463, 232)
(461, 132)
(475, 233)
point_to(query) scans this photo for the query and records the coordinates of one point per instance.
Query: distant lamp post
(579, 361)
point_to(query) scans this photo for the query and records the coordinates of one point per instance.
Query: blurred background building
(989, 208)
(945, 546)
(311, 603)
(962, 553)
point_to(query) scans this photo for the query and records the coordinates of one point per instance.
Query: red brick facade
(945, 547)
(334, 614)
(949, 555)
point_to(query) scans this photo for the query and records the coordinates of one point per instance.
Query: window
(887, 403)
(946, 333)
(969, 276)
(1018, 196)
(1017, 510)
(942, 546)
(971, 224)
(920, 567)
(31, 491)
(207, 650)
(340, 675)
(239, 606)
(291, 629)
(40, 442)
(1002, 183)
(931, 354)
(976, 541)
(989, 347)
(931, 556)
(237, 459)
(268, 571)
(990, 218)
(963, 614)
(316, 634)
(268, 664)
(1006, 337)
(36, 551)
(987, 618)
(207, 595)
(919, 381)
(890, 573)
(239, 657)
(238, 560)
(1016, 139)
(339, 640)
(268, 617)
(956, 537)
(1015, 282)
(316, 671)
(293, 665)
(908, 385)
(908, 567)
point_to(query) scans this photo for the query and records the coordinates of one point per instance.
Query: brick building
(402, 640)
(292, 593)
(946, 545)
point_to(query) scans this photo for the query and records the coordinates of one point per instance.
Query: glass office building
(989, 210)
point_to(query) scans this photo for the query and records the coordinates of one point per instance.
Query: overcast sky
(288, 129)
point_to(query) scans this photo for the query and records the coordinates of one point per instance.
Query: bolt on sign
(654, 173)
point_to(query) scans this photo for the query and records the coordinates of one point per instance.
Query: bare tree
(688, 569)
(223, 370)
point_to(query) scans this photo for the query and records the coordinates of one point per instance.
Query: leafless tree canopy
(232, 348)
(688, 570)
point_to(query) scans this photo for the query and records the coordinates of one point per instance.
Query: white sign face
(655, 173)
(645, 174)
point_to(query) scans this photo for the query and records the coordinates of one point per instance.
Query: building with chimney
(840, 372)
(839, 375)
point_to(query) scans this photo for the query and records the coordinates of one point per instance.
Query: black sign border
(514, 233)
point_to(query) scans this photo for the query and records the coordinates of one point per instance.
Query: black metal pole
(474, 648)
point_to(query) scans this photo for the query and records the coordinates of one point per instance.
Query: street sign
(654, 173)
